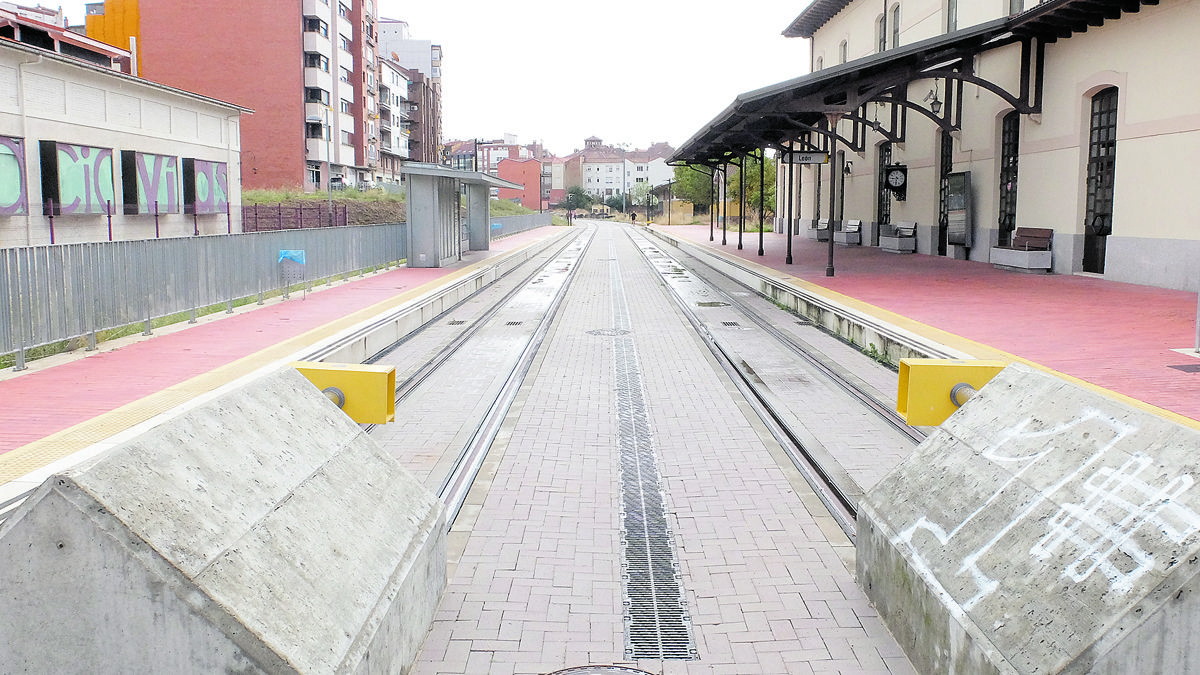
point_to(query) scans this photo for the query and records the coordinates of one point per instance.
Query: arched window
(1010, 153)
(1102, 168)
(896, 26)
(881, 30)
(883, 210)
(819, 64)
(951, 16)
(842, 52)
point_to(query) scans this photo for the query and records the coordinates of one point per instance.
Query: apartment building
(307, 69)
(421, 61)
(605, 171)
(975, 119)
(395, 116)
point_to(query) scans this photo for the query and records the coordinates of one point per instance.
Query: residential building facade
(421, 61)
(307, 69)
(605, 171)
(1065, 115)
(395, 115)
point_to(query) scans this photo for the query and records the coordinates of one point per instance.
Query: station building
(1076, 117)
(91, 153)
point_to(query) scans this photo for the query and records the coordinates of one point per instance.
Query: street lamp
(328, 158)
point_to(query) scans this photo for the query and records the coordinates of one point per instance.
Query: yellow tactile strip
(976, 349)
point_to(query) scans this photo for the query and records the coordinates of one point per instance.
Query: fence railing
(264, 217)
(506, 225)
(53, 293)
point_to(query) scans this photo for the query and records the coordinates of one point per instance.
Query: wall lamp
(847, 168)
(935, 106)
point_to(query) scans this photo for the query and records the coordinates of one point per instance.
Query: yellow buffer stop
(930, 390)
(364, 392)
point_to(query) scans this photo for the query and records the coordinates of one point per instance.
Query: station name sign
(795, 157)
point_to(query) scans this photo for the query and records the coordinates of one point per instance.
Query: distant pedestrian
(632, 217)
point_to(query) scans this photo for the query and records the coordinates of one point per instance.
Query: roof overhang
(778, 115)
(467, 177)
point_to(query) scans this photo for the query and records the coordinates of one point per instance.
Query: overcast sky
(628, 71)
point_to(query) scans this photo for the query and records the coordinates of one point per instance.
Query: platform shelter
(437, 233)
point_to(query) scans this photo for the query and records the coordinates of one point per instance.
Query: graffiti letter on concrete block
(1102, 528)
(14, 200)
(1071, 451)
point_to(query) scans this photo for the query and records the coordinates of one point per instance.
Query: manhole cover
(712, 303)
(608, 332)
(600, 670)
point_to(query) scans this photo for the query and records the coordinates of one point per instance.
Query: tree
(641, 196)
(694, 184)
(577, 199)
(616, 203)
(752, 169)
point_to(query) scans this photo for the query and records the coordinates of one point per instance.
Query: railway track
(485, 344)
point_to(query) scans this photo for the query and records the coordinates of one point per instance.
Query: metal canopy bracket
(773, 116)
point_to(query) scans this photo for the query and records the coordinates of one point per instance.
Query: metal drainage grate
(656, 617)
(456, 322)
(712, 303)
(731, 324)
(514, 323)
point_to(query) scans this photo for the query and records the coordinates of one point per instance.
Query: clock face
(895, 178)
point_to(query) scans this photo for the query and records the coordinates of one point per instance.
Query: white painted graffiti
(1118, 504)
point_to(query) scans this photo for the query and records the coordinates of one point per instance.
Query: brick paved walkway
(538, 586)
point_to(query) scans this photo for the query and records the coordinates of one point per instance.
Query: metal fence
(54, 293)
(506, 225)
(264, 217)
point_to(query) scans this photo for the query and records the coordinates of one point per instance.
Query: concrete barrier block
(1043, 528)
(260, 532)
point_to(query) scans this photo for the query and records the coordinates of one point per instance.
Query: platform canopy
(874, 92)
(464, 177)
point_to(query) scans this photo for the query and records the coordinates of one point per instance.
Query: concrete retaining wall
(261, 531)
(1043, 528)
(360, 342)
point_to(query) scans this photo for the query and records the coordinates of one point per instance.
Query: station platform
(534, 587)
(1135, 341)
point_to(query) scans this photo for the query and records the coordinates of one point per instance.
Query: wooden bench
(850, 234)
(1028, 252)
(902, 239)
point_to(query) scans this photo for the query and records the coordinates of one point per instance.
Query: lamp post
(329, 164)
(328, 132)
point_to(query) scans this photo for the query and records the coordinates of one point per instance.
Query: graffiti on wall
(77, 178)
(14, 200)
(205, 186)
(1096, 520)
(150, 182)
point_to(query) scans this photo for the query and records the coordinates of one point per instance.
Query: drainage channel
(658, 625)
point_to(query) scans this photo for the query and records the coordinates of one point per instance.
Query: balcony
(315, 42)
(315, 77)
(316, 150)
